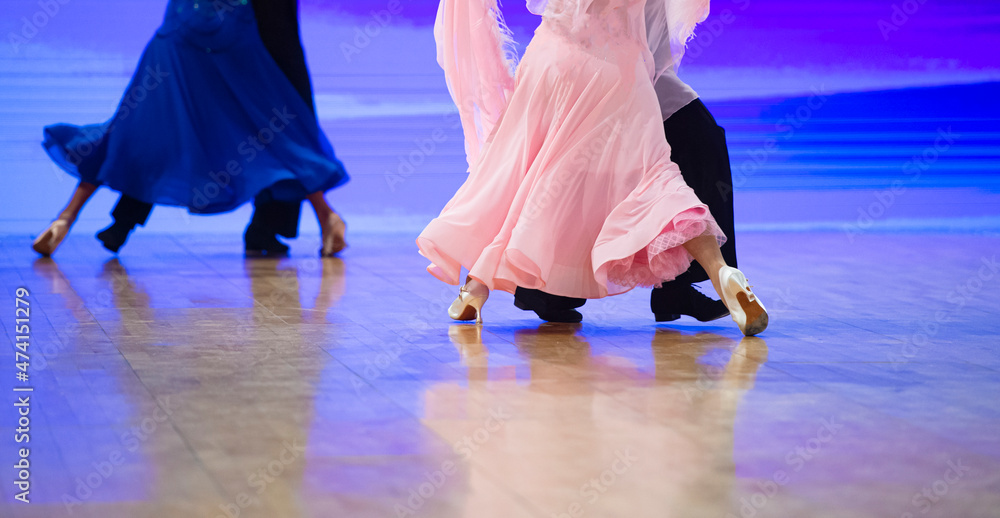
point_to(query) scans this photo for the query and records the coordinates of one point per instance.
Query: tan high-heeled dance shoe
(333, 231)
(47, 243)
(745, 307)
(469, 304)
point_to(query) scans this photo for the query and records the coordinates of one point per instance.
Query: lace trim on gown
(665, 257)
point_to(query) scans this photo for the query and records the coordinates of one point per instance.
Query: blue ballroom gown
(207, 122)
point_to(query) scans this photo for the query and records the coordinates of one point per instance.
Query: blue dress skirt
(208, 121)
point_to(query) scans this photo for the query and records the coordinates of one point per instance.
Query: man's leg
(278, 25)
(698, 146)
(548, 307)
(271, 218)
(128, 213)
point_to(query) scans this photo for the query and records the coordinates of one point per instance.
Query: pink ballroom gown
(570, 189)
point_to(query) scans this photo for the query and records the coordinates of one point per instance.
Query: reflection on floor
(181, 380)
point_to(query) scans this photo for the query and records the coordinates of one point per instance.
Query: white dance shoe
(746, 309)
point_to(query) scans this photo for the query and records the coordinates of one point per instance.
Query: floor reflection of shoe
(468, 340)
(672, 301)
(333, 231)
(465, 336)
(750, 354)
(469, 304)
(746, 309)
(754, 348)
(47, 243)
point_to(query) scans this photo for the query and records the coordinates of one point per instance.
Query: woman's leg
(80, 196)
(47, 243)
(744, 306)
(705, 250)
(330, 223)
(320, 205)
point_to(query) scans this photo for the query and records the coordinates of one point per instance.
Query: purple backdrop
(851, 90)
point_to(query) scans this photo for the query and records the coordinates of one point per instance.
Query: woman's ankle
(475, 286)
(322, 211)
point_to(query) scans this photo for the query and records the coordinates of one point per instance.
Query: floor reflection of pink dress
(577, 409)
(571, 189)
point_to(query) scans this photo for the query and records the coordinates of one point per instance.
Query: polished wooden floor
(182, 380)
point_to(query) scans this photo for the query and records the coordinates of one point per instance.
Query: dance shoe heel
(47, 243)
(334, 230)
(468, 306)
(744, 306)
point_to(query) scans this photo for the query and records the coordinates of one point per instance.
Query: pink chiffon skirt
(574, 192)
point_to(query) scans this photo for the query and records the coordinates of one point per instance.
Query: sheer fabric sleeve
(475, 49)
(669, 26)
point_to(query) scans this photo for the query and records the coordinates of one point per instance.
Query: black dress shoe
(115, 236)
(566, 316)
(263, 246)
(670, 302)
(548, 307)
